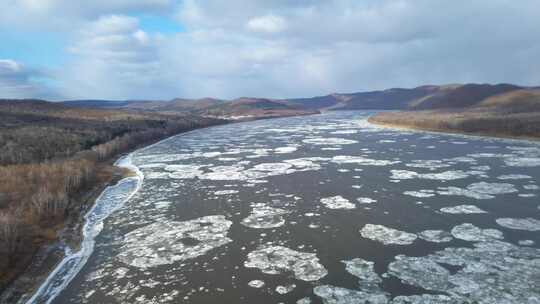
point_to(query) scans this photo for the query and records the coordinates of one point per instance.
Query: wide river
(316, 209)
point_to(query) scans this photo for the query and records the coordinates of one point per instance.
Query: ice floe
(462, 209)
(256, 283)
(443, 176)
(337, 202)
(522, 162)
(420, 193)
(339, 295)
(278, 259)
(480, 190)
(471, 233)
(284, 150)
(363, 270)
(225, 192)
(491, 272)
(387, 236)
(423, 271)
(170, 241)
(360, 160)
(514, 176)
(529, 224)
(428, 164)
(435, 236)
(427, 299)
(264, 217)
(329, 141)
(285, 289)
(366, 200)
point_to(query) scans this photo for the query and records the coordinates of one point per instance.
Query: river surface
(320, 209)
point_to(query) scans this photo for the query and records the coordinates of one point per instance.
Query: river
(315, 209)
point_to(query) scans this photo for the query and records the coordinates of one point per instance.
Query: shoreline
(405, 127)
(51, 255)
(74, 261)
(27, 285)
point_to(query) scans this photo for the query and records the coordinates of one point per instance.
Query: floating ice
(518, 161)
(435, 236)
(162, 204)
(264, 217)
(386, 235)
(304, 164)
(344, 132)
(529, 223)
(428, 164)
(363, 270)
(462, 209)
(471, 233)
(366, 200)
(339, 295)
(420, 193)
(170, 241)
(481, 190)
(513, 176)
(403, 174)
(531, 187)
(256, 283)
(337, 202)
(305, 300)
(492, 188)
(446, 175)
(183, 171)
(421, 271)
(491, 272)
(225, 192)
(279, 259)
(284, 150)
(426, 299)
(285, 289)
(526, 242)
(329, 141)
(345, 159)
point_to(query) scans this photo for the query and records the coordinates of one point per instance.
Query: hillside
(241, 108)
(428, 97)
(54, 159)
(509, 113)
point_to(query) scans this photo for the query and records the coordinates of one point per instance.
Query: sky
(162, 49)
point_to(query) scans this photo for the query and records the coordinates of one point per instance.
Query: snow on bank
(110, 200)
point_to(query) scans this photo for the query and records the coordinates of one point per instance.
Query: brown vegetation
(51, 155)
(525, 125)
(505, 111)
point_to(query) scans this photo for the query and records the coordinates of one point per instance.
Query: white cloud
(17, 81)
(267, 24)
(113, 58)
(290, 48)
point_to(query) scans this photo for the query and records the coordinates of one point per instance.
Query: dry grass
(51, 156)
(494, 123)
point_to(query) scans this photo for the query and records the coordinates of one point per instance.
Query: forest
(52, 156)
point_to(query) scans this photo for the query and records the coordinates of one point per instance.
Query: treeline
(48, 164)
(483, 123)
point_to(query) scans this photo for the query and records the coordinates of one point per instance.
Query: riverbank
(41, 250)
(474, 122)
(51, 252)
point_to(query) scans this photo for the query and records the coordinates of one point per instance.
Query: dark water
(265, 186)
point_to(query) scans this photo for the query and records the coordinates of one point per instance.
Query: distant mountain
(460, 96)
(244, 107)
(427, 97)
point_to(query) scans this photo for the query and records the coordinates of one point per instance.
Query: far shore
(401, 120)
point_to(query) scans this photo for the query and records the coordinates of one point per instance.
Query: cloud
(114, 58)
(267, 24)
(18, 81)
(287, 48)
